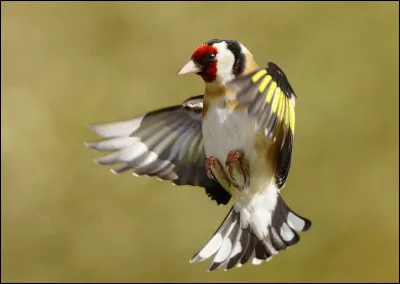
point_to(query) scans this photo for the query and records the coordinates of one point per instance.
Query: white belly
(225, 130)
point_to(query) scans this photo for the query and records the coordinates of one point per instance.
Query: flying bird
(235, 141)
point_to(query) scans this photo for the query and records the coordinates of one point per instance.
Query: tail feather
(235, 246)
(242, 241)
(225, 249)
(269, 247)
(233, 240)
(248, 252)
(295, 221)
(214, 244)
(263, 252)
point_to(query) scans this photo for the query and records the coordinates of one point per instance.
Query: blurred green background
(65, 65)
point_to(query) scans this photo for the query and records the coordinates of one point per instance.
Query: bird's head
(218, 61)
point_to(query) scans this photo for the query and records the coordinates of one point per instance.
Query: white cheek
(225, 59)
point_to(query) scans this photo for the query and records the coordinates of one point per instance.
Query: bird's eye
(211, 57)
(208, 58)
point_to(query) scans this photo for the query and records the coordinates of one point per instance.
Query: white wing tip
(256, 261)
(94, 127)
(113, 171)
(196, 259)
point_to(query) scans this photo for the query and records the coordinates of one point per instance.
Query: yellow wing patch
(292, 116)
(258, 75)
(270, 98)
(281, 105)
(271, 91)
(276, 102)
(264, 84)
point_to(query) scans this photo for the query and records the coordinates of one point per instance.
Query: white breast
(225, 130)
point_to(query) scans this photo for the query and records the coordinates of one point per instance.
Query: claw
(209, 162)
(215, 171)
(238, 169)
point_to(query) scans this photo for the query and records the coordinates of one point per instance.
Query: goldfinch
(235, 141)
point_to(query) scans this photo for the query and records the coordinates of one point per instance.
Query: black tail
(236, 246)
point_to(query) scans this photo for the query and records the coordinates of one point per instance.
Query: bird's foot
(215, 171)
(238, 169)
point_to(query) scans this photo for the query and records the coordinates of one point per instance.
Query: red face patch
(209, 68)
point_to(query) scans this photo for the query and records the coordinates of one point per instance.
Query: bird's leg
(238, 169)
(215, 171)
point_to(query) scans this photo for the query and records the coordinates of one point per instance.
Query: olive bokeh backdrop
(65, 65)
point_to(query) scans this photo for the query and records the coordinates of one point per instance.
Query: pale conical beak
(189, 67)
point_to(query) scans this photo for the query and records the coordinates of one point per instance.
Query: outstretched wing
(166, 143)
(270, 98)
